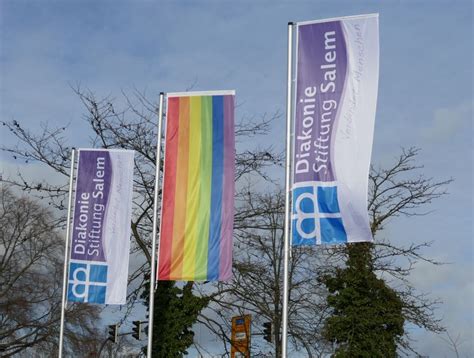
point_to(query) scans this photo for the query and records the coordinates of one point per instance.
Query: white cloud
(449, 121)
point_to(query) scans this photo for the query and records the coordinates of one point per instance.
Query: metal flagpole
(287, 191)
(66, 255)
(153, 245)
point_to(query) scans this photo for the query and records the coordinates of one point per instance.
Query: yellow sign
(240, 339)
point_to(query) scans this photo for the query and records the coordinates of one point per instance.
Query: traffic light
(137, 330)
(113, 332)
(267, 331)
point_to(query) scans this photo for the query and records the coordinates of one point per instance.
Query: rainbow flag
(197, 211)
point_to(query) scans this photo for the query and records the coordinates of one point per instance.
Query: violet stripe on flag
(225, 269)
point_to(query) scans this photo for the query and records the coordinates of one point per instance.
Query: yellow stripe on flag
(194, 189)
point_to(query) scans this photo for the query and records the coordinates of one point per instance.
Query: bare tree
(453, 342)
(257, 286)
(394, 191)
(132, 125)
(31, 281)
(398, 190)
(258, 263)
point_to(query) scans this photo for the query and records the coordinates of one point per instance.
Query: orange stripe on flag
(181, 190)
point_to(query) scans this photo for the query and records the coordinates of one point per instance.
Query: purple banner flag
(336, 94)
(92, 192)
(321, 75)
(100, 241)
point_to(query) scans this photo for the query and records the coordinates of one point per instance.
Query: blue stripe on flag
(216, 188)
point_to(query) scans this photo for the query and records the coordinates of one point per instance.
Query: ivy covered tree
(176, 310)
(367, 315)
(368, 312)
(349, 301)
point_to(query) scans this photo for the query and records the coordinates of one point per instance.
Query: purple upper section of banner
(322, 64)
(94, 175)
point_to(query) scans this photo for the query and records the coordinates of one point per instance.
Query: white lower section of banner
(355, 128)
(117, 226)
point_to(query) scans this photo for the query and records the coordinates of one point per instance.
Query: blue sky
(425, 92)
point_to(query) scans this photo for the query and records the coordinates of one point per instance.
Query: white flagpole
(66, 255)
(284, 337)
(153, 245)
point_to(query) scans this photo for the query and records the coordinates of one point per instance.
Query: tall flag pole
(198, 187)
(66, 254)
(153, 245)
(287, 190)
(337, 68)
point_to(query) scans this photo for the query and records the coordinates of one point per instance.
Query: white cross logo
(300, 215)
(76, 282)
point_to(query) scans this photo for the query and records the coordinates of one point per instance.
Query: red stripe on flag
(169, 186)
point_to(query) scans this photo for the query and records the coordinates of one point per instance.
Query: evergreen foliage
(175, 311)
(367, 318)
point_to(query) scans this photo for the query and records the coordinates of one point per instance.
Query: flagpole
(284, 337)
(66, 255)
(153, 245)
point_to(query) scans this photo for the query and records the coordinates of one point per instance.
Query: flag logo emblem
(316, 217)
(87, 283)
